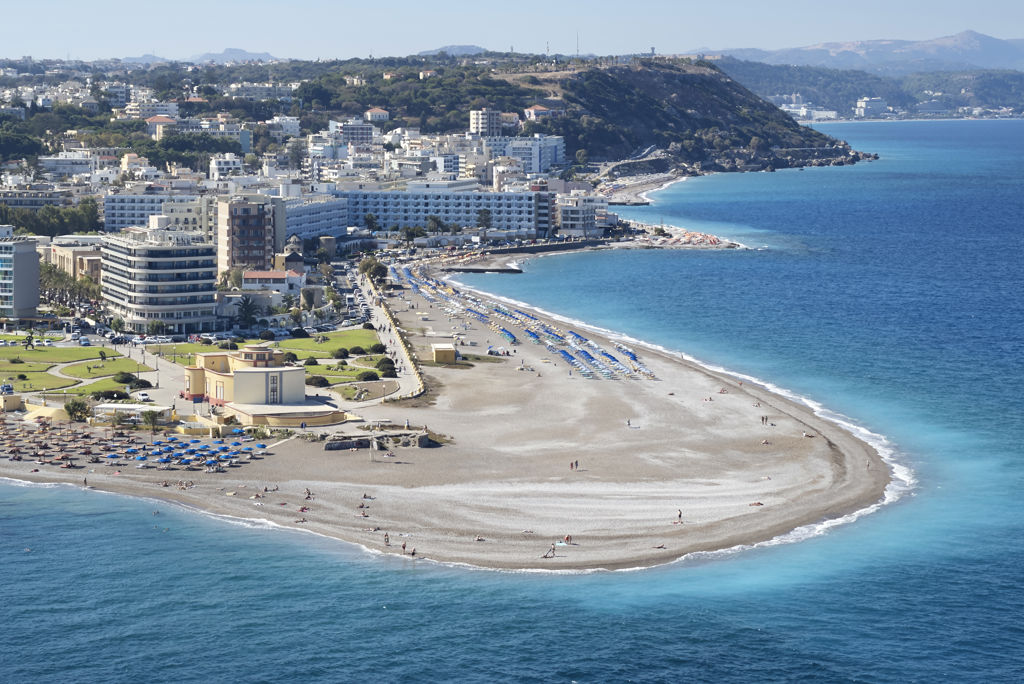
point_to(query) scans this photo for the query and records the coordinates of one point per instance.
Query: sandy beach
(685, 461)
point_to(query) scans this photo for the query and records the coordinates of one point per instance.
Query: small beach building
(443, 353)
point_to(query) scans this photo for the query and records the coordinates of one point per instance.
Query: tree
(367, 376)
(296, 153)
(296, 316)
(308, 297)
(77, 410)
(435, 224)
(317, 381)
(581, 157)
(155, 327)
(151, 419)
(246, 311)
(483, 218)
(117, 325)
(117, 419)
(371, 223)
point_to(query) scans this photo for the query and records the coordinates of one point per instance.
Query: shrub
(140, 384)
(124, 378)
(289, 357)
(267, 335)
(299, 333)
(238, 340)
(109, 395)
(17, 359)
(227, 345)
(357, 350)
(317, 381)
(367, 375)
(341, 364)
(340, 353)
(384, 363)
(389, 372)
(378, 348)
(311, 361)
(367, 326)
(22, 376)
(205, 340)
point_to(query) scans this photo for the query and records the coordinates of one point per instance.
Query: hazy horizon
(317, 29)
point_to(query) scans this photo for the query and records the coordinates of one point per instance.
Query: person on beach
(550, 552)
(679, 515)
(387, 539)
(403, 548)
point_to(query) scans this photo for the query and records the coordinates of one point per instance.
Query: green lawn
(98, 369)
(368, 361)
(98, 386)
(55, 354)
(6, 367)
(344, 338)
(39, 381)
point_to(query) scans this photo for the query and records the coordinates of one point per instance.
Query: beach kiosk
(443, 353)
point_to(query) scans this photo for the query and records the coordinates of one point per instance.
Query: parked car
(143, 396)
(47, 343)
(6, 389)
(84, 342)
(76, 335)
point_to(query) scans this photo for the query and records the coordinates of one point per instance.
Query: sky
(329, 29)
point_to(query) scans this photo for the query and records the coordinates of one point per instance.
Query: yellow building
(253, 375)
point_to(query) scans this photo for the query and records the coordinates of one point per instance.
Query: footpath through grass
(99, 369)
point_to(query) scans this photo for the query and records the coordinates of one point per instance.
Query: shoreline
(494, 481)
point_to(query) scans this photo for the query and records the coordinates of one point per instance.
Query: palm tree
(151, 420)
(247, 310)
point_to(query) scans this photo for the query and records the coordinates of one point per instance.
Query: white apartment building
(537, 153)
(197, 215)
(223, 165)
(376, 114)
(515, 211)
(152, 274)
(313, 216)
(868, 107)
(19, 275)
(121, 211)
(353, 131)
(485, 122)
(581, 215)
(67, 164)
(289, 124)
(145, 110)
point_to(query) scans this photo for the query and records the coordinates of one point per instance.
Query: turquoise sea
(889, 293)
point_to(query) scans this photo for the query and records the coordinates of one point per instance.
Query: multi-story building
(538, 152)
(249, 230)
(353, 131)
(30, 197)
(65, 164)
(198, 215)
(144, 110)
(152, 274)
(223, 165)
(123, 210)
(312, 216)
(485, 122)
(376, 114)
(77, 255)
(19, 275)
(868, 107)
(514, 211)
(581, 215)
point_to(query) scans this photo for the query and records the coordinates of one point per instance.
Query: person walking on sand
(403, 548)
(679, 515)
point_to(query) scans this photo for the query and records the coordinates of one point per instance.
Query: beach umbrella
(194, 441)
(190, 451)
(172, 439)
(246, 448)
(238, 431)
(212, 461)
(225, 457)
(218, 441)
(141, 458)
(158, 441)
(112, 456)
(261, 446)
(223, 448)
(233, 453)
(236, 444)
(163, 460)
(131, 451)
(186, 461)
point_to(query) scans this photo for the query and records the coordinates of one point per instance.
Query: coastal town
(262, 318)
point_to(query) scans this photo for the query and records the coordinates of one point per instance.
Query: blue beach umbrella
(223, 448)
(158, 441)
(194, 441)
(112, 456)
(246, 448)
(140, 458)
(238, 431)
(172, 439)
(261, 446)
(218, 441)
(186, 461)
(212, 461)
(131, 451)
(225, 457)
(236, 444)
(163, 460)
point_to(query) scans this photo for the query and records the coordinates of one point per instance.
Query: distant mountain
(145, 59)
(232, 55)
(964, 51)
(454, 51)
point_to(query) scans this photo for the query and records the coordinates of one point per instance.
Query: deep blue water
(889, 292)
